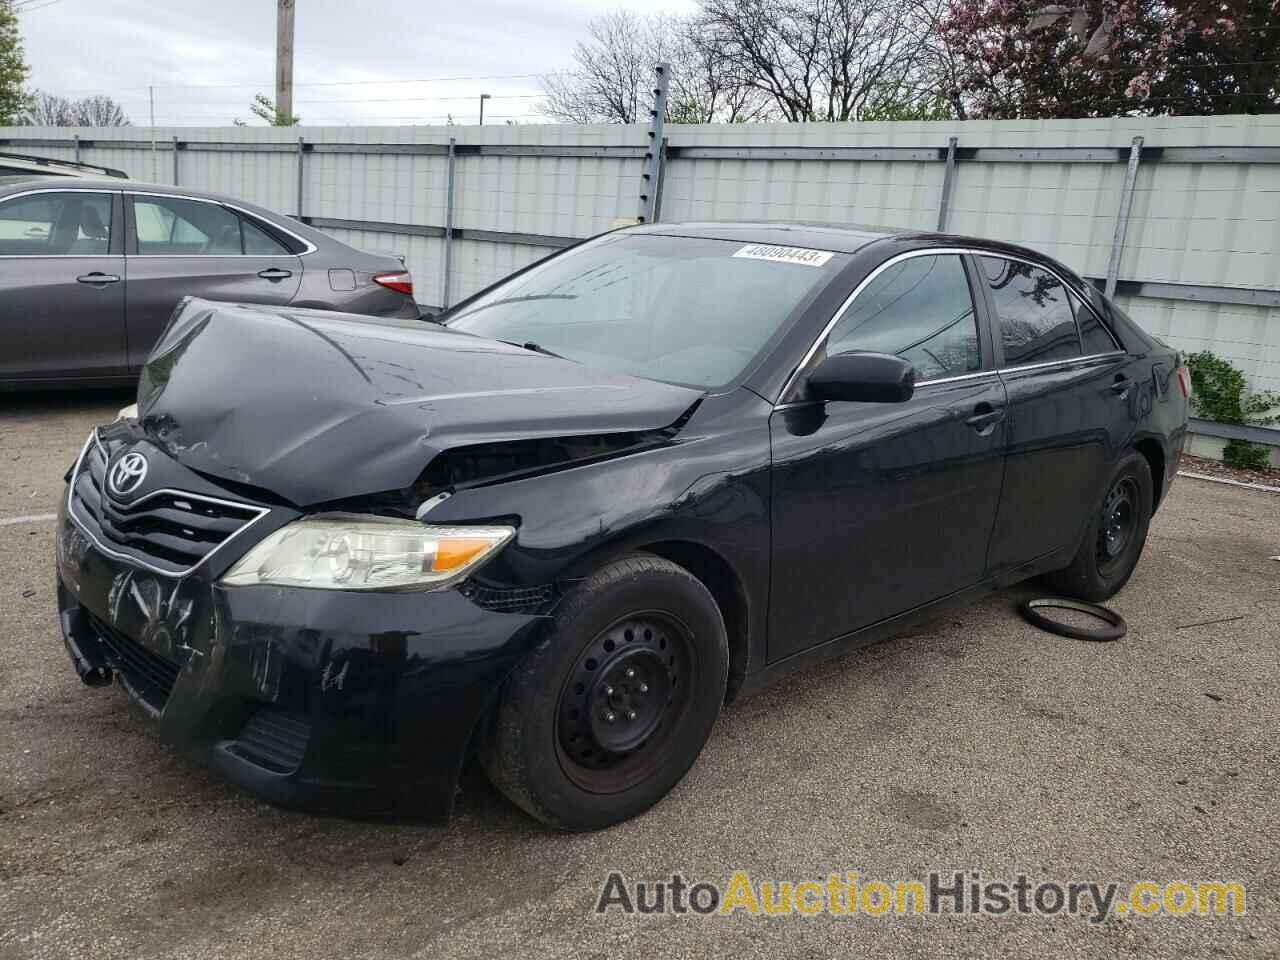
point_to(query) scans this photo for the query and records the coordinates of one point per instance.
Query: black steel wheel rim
(623, 700)
(1117, 523)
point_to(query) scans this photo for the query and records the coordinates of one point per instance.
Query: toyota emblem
(127, 475)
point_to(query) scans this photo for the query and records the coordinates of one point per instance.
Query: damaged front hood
(317, 406)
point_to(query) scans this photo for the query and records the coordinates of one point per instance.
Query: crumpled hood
(316, 406)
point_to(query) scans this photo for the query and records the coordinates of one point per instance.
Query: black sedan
(331, 556)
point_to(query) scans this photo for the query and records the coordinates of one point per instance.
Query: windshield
(686, 310)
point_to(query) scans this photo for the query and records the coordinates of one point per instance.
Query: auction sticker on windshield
(767, 251)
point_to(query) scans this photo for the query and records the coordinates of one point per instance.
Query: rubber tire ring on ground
(1117, 629)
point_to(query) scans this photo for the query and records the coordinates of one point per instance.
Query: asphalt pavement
(977, 744)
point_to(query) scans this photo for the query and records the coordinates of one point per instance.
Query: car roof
(837, 238)
(840, 238)
(18, 182)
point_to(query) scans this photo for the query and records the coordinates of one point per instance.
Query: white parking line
(1234, 483)
(29, 518)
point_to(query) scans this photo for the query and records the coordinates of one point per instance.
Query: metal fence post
(948, 184)
(75, 146)
(1122, 216)
(448, 224)
(175, 161)
(302, 152)
(662, 182)
(651, 179)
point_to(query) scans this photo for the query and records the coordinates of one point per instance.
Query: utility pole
(483, 98)
(155, 163)
(284, 59)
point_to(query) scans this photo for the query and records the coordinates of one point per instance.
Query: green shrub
(1245, 455)
(1218, 393)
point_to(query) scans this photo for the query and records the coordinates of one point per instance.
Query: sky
(390, 62)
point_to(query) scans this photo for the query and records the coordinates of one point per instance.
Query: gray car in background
(91, 270)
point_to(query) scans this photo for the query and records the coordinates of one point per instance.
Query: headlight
(128, 413)
(367, 555)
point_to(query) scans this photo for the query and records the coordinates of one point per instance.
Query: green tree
(13, 67)
(264, 108)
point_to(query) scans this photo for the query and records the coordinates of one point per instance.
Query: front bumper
(338, 702)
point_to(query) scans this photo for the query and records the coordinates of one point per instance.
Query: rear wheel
(1115, 538)
(612, 709)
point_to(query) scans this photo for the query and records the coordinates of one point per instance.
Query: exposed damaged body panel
(358, 407)
(488, 463)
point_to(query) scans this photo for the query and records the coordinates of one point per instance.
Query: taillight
(399, 282)
(1184, 380)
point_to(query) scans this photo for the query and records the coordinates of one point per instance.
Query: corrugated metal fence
(1196, 262)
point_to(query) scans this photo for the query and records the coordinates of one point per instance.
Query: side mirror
(863, 376)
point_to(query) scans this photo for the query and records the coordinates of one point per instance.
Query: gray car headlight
(343, 554)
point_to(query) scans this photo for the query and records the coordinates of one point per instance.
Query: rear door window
(920, 309)
(1034, 310)
(56, 224)
(172, 226)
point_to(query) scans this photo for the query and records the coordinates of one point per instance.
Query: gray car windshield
(687, 310)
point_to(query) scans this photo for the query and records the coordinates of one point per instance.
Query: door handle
(1121, 386)
(275, 273)
(984, 419)
(96, 277)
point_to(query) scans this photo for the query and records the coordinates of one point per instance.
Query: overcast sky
(207, 58)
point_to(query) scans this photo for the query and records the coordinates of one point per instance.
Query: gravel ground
(977, 744)
(1267, 476)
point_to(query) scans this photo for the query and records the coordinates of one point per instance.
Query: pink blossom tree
(1026, 58)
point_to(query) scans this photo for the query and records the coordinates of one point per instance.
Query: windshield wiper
(535, 348)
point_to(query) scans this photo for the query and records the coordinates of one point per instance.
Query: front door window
(56, 224)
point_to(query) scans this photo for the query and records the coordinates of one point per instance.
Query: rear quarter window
(1094, 337)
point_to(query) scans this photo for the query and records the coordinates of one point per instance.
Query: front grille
(170, 531)
(148, 675)
(274, 740)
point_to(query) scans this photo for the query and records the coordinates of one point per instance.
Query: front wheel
(1117, 532)
(611, 710)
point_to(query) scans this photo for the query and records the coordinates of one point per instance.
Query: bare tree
(818, 59)
(98, 111)
(46, 109)
(704, 89)
(605, 87)
(939, 71)
(613, 79)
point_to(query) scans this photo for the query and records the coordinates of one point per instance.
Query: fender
(710, 487)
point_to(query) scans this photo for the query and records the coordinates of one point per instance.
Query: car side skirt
(896, 626)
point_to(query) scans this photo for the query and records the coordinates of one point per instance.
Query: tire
(577, 741)
(1115, 537)
(1115, 626)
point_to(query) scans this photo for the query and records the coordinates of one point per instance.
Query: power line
(345, 121)
(31, 6)
(328, 83)
(237, 103)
